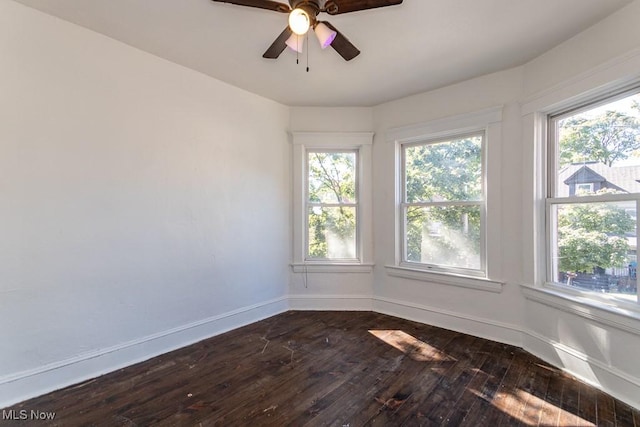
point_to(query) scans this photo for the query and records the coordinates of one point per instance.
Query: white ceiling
(414, 47)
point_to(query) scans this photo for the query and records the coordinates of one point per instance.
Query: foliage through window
(332, 205)
(594, 191)
(443, 204)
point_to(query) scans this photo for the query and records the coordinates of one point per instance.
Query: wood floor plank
(482, 408)
(624, 414)
(569, 406)
(448, 400)
(536, 399)
(550, 414)
(605, 410)
(508, 402)
(335, 369)
(587, 409)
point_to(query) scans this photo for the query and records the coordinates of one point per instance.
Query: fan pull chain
(297, 49)
(307, 51)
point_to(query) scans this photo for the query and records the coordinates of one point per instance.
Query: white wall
(144, 205)
(615, 37)
(327, 119)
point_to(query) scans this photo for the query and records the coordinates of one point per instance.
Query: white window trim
(577, 303)
(339, 141)
(611, 77)
(481, 272)
(550, 200)
(445, 278)
(487, 121)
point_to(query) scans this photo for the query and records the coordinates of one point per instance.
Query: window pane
(595, 247)
(332, 177)
(447, 236)
(444, 171)
(599, 150)
(332, 232)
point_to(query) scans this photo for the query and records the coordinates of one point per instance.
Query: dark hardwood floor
(338, 369)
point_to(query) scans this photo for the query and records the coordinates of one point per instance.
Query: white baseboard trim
(465, 323)
(331, 302)
(24, 385)
(610, 379)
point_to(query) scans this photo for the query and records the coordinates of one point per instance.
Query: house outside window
(593, 197)
(442, 209)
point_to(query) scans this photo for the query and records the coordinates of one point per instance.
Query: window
(332, 217)
(442, 206)
(448, 200)
(332, 205)
(593, 197)
(584, 188)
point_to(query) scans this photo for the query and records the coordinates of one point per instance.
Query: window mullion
(447, 203)
(330, 205)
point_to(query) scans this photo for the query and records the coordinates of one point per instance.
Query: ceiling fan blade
(260, 4)
(342, 45)
(336, 7)
(278, 45)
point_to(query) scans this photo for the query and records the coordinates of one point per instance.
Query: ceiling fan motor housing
(312, 7)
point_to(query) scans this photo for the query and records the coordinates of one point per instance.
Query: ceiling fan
(303, 16)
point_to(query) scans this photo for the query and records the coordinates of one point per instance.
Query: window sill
(609, 313)
(477, 283)
(332, 268)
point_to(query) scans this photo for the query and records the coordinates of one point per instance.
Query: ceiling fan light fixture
(324, 34)
(299, 21)
(295, 43)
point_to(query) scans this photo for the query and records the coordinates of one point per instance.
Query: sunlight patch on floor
(529, 409)
(411, 346)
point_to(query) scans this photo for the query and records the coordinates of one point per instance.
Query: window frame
(356, 205)
(360, 142)
(551, 200)
(487, 119)
(404, 205)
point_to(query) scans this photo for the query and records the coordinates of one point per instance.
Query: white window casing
(548, 146)
(600, 82)
(360, 143)
(488, 124)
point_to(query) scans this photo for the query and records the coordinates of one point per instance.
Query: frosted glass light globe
(325, 35)
(299, 21)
